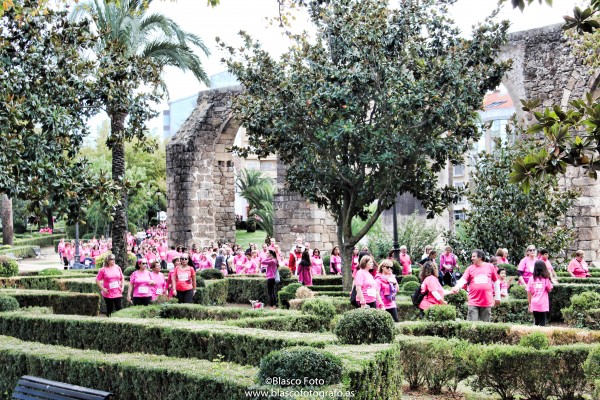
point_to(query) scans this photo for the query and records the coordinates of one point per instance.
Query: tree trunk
(119, 242)
(7, 221)
(451, 205)
(50, 219)
(346, 252)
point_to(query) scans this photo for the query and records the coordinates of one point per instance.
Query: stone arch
(200, 176)
(545, 68)
(201, 187)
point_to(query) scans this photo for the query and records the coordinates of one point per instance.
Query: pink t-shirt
(316, 264)
(162, 252)
(171, 254)
(141, 283)
(253, 266)
(368, 285)
(61, 248)
(430, 285)
(111, 279)
(539, 288)
(337, 261)
(95, 253)
(406, 263)
(271, 265)
(502, 260)
(526, 266)
(481, 284)
(384, 289)
(354, 264)
(160, 285)
(579, 269)
(548, 265)
(239, 262)
(503, 289)
(205, 263)
(447, 262)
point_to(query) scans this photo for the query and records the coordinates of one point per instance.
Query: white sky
(231, 16)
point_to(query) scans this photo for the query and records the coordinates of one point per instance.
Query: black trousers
(271, 292)
(393, 312)
(112, 305)
(141, 301)
(539, 318)
(186, 296)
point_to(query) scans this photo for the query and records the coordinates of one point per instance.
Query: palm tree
(258, 192)
(133, 49)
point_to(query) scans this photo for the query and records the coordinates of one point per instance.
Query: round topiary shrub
(326, 258)
(8, 303)
(410, 286)
(518, 292)
(304, 293)
(575, 314)
(8, 267)
(285, 273)
(50, 271)
(287, 293)
(409, 278)
(536, 340)
(128, 271)
(591, 366)
(200, 281)
(365, 326)
(211, 273)
(440, 313)
(319, 307)
(300, 367)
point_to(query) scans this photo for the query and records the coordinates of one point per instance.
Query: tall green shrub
(8, 267)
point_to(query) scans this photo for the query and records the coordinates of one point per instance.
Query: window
(460, 185)
(498, 131)
(252, 165)
(459, 170)
(268, 165)
(459, 215)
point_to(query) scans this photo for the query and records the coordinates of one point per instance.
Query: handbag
(353, 297)
(277, 277)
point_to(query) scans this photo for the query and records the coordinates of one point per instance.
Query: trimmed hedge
(60, 302)
(41, 241)
(20, 251)
(160, 377)
(213, 293)
(440, 313)
(495, 333)
(184, 339)
(301, 364)
(199, 312)
(8, 303)
(365, 326)
(327, 279)
(341, 305)
(501, 369)
(593, 272)
(211, 274)
(286, 294)
(579, 281)
(560, 297)
(512, 311)
(8, 267)
(241, 290)
(292, 323)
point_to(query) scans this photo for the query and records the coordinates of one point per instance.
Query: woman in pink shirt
(271, 265)
(525, 269)
(316, 263)
(578, 268)
(204, 262)
(538, 288)
(388, 287)
(335, 261)
(501, 256)
(140, 284)
(61, 250)
(239, 261)
(367, 293)
(405, 261)
(431, 287)
(253, 264)
(95, 252)
(159, 288)
(304, 269)
(110, 280)
(354, 264)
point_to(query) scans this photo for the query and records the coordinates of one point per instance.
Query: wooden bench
(34, 388)
(12, 256)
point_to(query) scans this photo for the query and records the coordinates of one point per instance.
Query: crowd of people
(374, 284)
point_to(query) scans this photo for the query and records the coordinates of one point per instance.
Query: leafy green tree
(46, 97)
(373, 106)
(502, 215)
(258, 192)
(133, 49)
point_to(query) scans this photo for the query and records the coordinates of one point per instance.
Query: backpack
(417, 297)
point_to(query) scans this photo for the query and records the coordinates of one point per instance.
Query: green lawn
(243, 238)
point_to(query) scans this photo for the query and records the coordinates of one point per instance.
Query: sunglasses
(183, 258)
(530, 249)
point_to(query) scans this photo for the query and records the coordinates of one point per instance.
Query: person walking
(304, 269)
(538, 288)
(111, 282)
(184, 281)
(140, 283)
(271, 264)
(484, 287)
(525, 268)
(367, 294)
(430, 287)
(388, 287)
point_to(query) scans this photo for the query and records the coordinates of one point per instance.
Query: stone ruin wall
(545, 68)
(201, 186)
(200, 180)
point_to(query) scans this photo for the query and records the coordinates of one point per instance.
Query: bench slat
(32, 393)
(53, 390)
